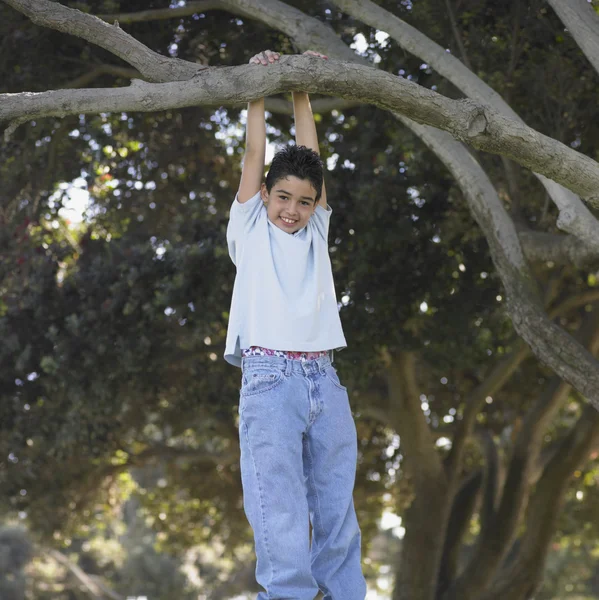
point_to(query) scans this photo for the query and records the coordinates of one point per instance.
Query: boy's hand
(264, 58)
(317, 54)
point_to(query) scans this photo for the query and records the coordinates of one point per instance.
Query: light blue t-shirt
(284, 296)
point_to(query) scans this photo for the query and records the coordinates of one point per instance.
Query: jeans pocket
(259, 380)
(331, 374)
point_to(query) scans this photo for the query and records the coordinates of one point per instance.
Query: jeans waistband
(287, 365)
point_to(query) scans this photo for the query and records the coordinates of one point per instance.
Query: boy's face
(290, 199)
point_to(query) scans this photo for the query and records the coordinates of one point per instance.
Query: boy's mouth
(287, 223)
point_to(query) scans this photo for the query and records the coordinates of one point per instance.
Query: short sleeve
(321, 219)
(242, 217)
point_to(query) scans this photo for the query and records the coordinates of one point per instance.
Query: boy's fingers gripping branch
(316, 54)
(264, 58)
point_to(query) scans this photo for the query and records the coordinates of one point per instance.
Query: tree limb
(159, 14)
(521, 579)
(495, 539)
(409, 421)
(307, 32)
(153, 66)
(558, 249)
(500, 374)
(428, 514)
(550, 343)
(583, 24)
(456, 34)
(478, 126)
(574, 217)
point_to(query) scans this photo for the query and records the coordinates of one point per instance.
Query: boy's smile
(290, 204)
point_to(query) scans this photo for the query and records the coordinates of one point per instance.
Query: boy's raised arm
(305, 128)
(252, 171)
(255, 147)
(305, 131)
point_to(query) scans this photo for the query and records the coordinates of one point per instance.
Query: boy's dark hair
(298, 161)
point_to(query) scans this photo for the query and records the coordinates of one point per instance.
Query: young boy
(297, 435)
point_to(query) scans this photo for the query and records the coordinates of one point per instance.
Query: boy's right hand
(264, 58)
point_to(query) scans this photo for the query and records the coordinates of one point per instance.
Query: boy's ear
(264, 193)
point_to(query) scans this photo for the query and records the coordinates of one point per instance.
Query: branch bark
(311, 33)
(150, 64)
(521, 579)
(574, 217)
(495, 540)
(583, 24)
(558, 249)
(550, 343)
(478, 126)
(428, 514)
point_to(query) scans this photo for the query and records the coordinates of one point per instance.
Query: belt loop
(332, 356)
(287, 367)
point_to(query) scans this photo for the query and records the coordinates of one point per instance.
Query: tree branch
(497, 378)
(462, 508)
(479, 126)
(273, 105)
(550, 343)
(456, 35)
(558, 249)
(495, 540)
(153, 66)
(409, 421)
(574, 218)
(583, 24)
(522, 577)
(159, 14)
(307, 32)
(428, 514)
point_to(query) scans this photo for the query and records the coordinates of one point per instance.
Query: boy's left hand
(317, 54)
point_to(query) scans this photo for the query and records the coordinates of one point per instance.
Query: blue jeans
(298, 466)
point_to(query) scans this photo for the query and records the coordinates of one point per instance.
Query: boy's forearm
(255, 150)
(305, 129)
(255, 132)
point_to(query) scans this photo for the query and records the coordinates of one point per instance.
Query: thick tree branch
(521, 579)
(497, 378)
(153, 66)
(495, 539)
(558, 249)
(273, 105)
(478, 126)
(428, 513)
(583, 24)
(462, 509)
(306, 32)
(574, 216)
(409, 421)
(550, 343)
(160, 14)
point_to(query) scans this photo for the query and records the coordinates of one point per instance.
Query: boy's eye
(283, 197)
(306, 203)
